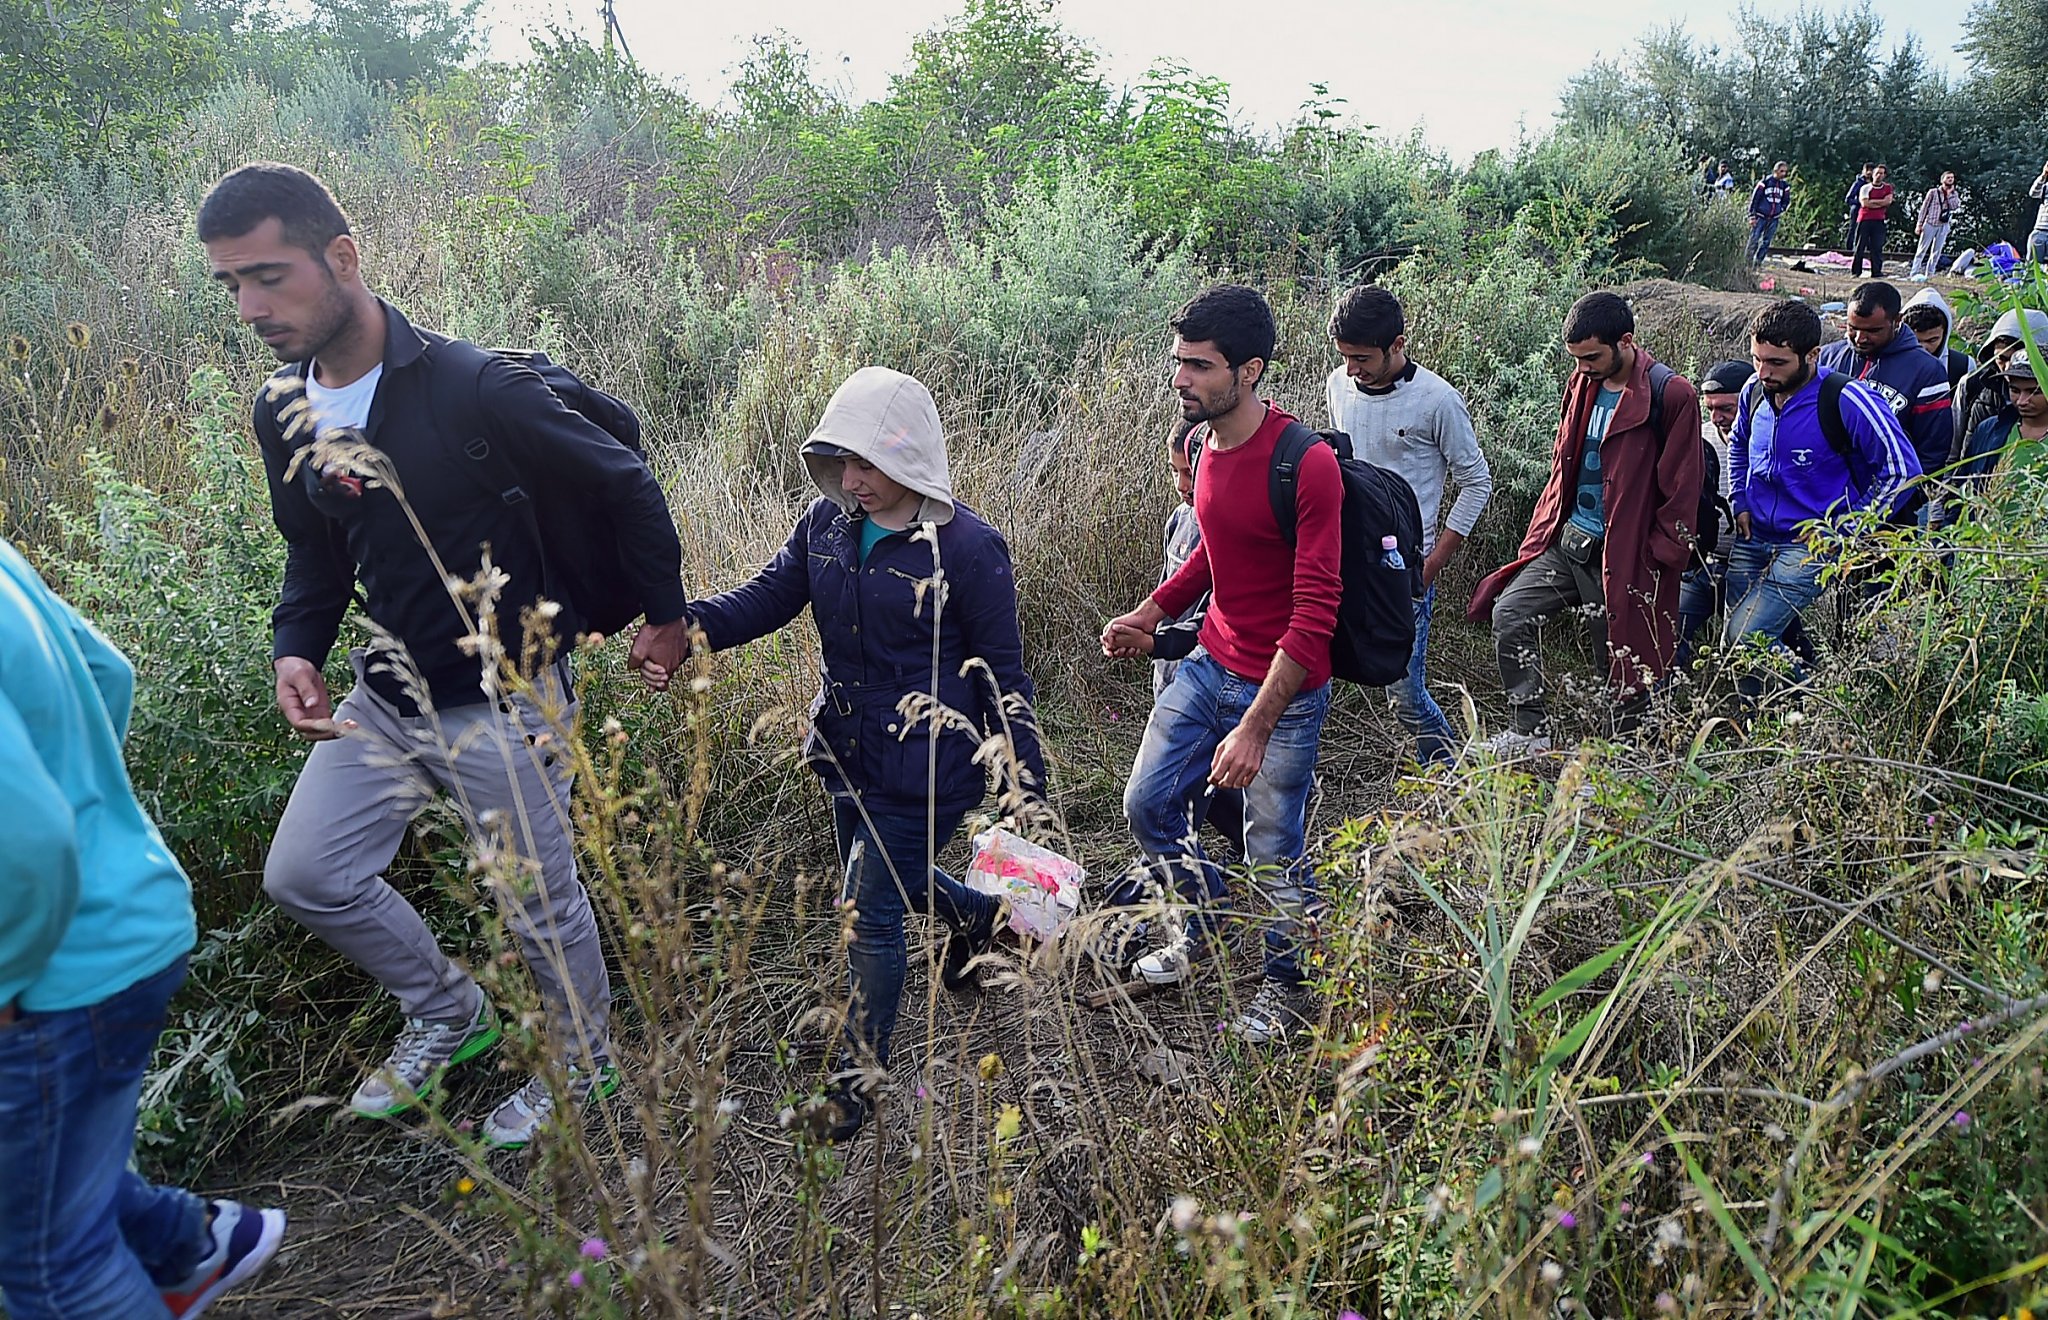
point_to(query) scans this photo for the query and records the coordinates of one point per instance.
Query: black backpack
(1375, 632)
(1714, 504)
(581, 566)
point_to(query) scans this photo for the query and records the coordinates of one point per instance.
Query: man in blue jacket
(1787, 473)
(1881, 352)
(1767, 204)
(376, 471)
(98, 923)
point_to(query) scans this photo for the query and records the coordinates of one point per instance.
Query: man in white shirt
(1404, 417)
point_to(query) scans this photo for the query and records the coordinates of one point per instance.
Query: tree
(398, 41)
(85, 75)
(2007, 45)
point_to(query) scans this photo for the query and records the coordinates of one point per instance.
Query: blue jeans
(81, 1235)
(1418, 711)
(1760, 238)
(1699, 596)
(1768, 585)
(2037, 243)
(888, 867)
(1190, 719)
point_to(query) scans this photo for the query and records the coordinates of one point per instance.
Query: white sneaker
(1510, 745)
(526, 1111)
(1276, 1012)
(1169, 965)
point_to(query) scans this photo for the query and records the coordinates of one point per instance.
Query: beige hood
(888, 419)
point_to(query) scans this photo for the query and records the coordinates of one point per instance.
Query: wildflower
(1184, 1212)
(593, 1249)
(1009, 1123)
(921, 1092)
(76, 335)
(464, 1186)
(1566, 1219)
(1961, 1120)
(575, 1278)
(1666, 1304)
(1529, 1147)
(1349, 1315)
(1439, 1202)
(17, 348)
(1649, 1160)
(1552, 1272)
(1625, 1208)
(990, 1066)
(466, 1125)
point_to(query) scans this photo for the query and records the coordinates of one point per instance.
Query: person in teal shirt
(99, 922)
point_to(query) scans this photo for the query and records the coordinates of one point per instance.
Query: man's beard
(1205, 411)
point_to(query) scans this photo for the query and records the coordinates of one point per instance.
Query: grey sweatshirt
(1421, 430)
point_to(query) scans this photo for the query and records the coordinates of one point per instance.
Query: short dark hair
(244, 198)
(1788, 324)
(1234, 318)
(1183, 432)
(1602, 315)
(1368, 316)
(1926, 316)
(1875, 296)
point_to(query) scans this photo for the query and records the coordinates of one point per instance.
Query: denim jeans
(888, 868)
(1190, 719)
(1418, 710)
(1768, 585)
(81, 1235)
(2037, 243)
(1699, 597)
(1760, 238)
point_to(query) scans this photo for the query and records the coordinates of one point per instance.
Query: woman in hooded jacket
(915, 605)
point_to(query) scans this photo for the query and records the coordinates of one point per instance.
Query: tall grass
(1686, 1028)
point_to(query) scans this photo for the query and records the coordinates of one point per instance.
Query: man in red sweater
(1246, 710)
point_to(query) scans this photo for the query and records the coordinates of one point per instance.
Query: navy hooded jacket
(876, 629)
(1914, 382)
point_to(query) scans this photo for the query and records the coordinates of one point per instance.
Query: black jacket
(338, 532)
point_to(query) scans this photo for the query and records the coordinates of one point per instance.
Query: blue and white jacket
(1784, 472)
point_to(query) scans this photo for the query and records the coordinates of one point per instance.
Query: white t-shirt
(348, 406)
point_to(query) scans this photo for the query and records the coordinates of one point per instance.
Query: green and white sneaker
(527, 1110)
(425, 1050)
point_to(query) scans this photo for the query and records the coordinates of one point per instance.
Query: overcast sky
(1467, 70)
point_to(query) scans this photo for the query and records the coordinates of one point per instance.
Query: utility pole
(613, 32)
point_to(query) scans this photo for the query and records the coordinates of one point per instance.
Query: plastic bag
(1042, 888)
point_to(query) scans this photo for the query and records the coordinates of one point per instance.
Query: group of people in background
(1868, 209)
(1646, 525)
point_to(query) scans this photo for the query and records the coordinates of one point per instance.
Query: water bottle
(1390, 554)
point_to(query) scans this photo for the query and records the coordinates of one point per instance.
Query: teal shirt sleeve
(111, 674)
(39, 875)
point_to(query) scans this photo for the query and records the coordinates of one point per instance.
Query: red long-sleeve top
(1268, 595)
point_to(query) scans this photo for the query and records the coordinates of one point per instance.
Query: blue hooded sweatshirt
(1785, 473)
(1914, 382)
(92, 898)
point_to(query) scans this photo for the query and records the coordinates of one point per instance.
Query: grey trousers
(348, 814)
(1552, 583)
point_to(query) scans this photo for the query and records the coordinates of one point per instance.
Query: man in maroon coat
(1613, 530)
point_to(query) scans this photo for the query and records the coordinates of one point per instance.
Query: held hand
(1127, 643)
(658, 652)
(302, 696)
(1141, 620)
(1742, 527)
(1238, 757)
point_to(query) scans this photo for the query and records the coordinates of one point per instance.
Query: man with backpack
(1809, 446)
(420, 504)
(1614, 530)
(1404, 418)
(1246, 711)
(1878, 349)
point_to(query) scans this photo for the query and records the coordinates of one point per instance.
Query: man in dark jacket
(1767, 204)
(1879, 351)
(365, 440)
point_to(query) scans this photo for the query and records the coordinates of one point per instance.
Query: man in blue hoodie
(1882, 353)
(98, 923)
(1789, 471)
